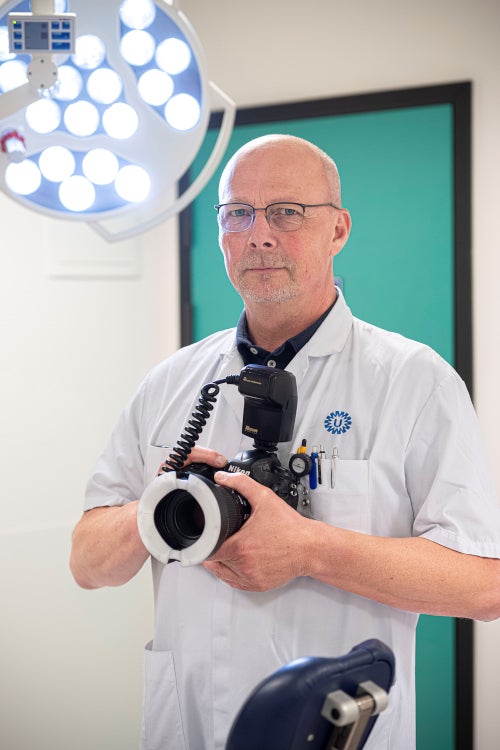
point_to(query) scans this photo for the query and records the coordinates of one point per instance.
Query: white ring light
(154, 542)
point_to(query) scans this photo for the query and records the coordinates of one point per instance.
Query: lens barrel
(180, 519)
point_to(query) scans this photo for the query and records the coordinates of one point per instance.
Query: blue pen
(313, 476)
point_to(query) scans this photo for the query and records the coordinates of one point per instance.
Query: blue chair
(317, 703)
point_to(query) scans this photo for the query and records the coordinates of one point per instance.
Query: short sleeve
(118, 474)
(448, 477)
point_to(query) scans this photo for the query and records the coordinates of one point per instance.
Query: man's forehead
(279, 168)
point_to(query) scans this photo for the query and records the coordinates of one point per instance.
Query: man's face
(268, 265)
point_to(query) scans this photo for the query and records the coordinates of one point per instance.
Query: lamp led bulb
(104, 85)
(23, 178)
(100, 166)
(182, 112)
(4, 45)
(137, 47)
(173, 56)
(120, 121)
(56, 163)
(155, 87)
(69, 83)
(43, 116)
(137, 14)
(13, 73)
(82, 118)
(76, 193)
(89, 52)
(133, 184)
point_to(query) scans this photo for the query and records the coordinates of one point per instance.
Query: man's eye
(237, 213)
(286, 211)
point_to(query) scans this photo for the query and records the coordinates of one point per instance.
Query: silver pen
(335, 455)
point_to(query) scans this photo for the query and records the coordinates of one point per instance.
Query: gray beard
(266, 292)
(283, 294)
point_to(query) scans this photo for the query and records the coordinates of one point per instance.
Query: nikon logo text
(235, 470)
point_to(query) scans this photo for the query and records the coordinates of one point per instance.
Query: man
(407, 523)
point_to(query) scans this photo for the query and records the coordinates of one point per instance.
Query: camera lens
(180, 520)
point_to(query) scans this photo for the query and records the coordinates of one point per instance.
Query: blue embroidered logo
(338, 422)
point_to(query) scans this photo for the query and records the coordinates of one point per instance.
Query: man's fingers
(199, 456)
(242, 483)
(206, 456)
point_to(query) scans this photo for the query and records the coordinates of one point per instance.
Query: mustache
(268, 260)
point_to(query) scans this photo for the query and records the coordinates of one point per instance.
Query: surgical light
(108, 138)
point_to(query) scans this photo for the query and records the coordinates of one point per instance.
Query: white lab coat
(411, 462)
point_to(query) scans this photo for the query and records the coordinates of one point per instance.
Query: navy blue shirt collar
(280, 357)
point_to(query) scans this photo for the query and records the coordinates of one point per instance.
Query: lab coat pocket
(346, 502)
(162, 724)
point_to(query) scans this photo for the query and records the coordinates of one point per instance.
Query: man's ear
(342, 231)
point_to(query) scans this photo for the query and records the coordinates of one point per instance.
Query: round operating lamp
(108, 142)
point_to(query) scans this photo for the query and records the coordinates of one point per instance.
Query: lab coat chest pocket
(162, 725)
(347, 502)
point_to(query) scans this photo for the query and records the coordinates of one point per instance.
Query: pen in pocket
(313, 476)
(335, 457)
(325, 469)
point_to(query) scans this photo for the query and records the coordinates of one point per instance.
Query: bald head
(291, 148)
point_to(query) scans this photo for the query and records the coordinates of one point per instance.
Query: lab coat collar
(331, 336)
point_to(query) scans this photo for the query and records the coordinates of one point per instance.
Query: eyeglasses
(285, 217)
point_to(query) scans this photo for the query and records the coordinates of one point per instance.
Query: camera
(183, 514)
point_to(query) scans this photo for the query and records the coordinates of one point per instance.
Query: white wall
(73, 350)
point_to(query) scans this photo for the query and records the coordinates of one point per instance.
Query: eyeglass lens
(285, 217)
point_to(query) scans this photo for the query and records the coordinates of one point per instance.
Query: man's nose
(260, 233)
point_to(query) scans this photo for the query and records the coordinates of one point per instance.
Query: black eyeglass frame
(303, 206)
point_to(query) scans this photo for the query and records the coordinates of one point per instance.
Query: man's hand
(200, 455)
(271, 548)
